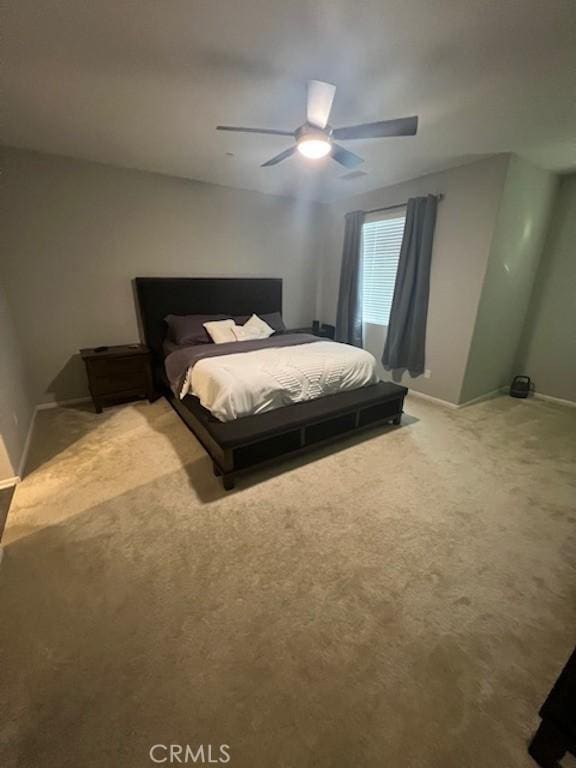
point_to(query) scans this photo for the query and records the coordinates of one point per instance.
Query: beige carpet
(404, 602)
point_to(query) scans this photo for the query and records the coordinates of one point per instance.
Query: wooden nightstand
(118, 374)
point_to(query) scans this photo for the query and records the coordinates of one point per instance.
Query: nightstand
(118, 374)
(324, 331)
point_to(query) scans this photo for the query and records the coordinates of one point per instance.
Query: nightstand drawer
(106, 385)
(118, 365)
(117, 374)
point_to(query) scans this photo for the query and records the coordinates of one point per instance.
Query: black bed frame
(265, 438)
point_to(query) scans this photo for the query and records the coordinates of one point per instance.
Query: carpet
(405, 600)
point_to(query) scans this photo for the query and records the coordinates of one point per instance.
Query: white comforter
(237, 385)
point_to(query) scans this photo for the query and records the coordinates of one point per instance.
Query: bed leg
(227, 482)
(397, 419)
(548, 746)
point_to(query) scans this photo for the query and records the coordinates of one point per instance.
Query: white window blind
(381, 241)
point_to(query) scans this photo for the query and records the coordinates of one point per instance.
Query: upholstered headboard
(158, 297)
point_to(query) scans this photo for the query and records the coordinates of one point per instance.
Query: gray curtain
(349, 315)
(406, 339)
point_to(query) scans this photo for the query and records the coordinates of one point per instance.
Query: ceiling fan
(315, 138)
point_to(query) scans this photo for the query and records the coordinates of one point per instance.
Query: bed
(241, 444)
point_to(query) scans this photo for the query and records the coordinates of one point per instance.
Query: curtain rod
(398, 205)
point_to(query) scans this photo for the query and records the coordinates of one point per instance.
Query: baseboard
(557, 400)
(27, 442)
(23, 459)
(437, 400)
(9, 482)
(491, 395)
(62, 403)
(457, 406)
(481, 398)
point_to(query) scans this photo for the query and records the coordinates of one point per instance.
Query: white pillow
(246, 334)
(221, 331)
(256, 328)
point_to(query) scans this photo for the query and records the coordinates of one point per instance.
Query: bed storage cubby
(324, 430)
(377, 413)
(253, 441)
(267, 449)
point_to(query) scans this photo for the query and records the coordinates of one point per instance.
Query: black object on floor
(557, 732)
(520, 386)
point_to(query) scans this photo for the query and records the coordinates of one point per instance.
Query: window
(381, 241)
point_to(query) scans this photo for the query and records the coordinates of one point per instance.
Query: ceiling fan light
(314, 148)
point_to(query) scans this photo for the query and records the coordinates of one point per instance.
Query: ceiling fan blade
(403, 126)
(271, 131)
(344, 157)
(320, 98)
(278, 158)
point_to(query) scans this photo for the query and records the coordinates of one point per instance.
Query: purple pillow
(274, 320)
(186, 330)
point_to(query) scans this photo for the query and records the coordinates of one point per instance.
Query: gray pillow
(186, 330)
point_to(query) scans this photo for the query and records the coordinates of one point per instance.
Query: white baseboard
(481, 398)
(437, 400)
(9, 482)
(557, 400)
(43, 407)
(489, 396)
(27, 442)
(62, 403)
(456, 406)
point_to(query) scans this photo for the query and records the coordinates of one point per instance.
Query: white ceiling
(143, 83)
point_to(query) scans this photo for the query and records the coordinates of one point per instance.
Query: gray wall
(15, 404)
(515, 253)
(76, 233)
(548, 351)
(464, 230)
